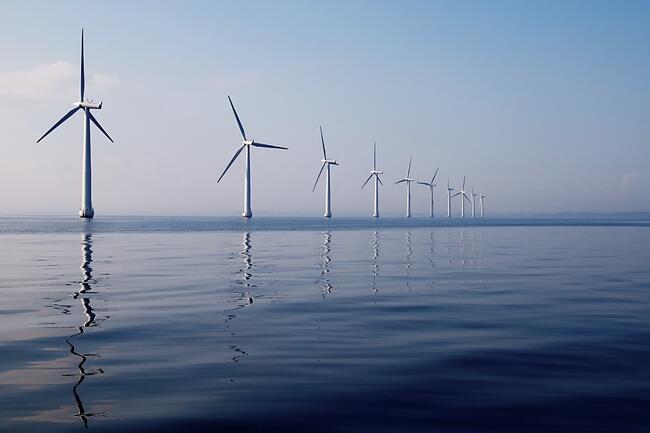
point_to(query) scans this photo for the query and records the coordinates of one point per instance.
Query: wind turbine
(474, 195)
(449, 190)
(376, 174)
(328, 192)
(246, 144)
(431, 185)
(408, 181)
(463, 197)
(482, 198)
(86, 210)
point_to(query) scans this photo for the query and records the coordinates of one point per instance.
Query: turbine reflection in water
(245, 298)
(408, 262)
(432, 260)
(325, 282)
(89, 321)
(375, 261)
(462, 249)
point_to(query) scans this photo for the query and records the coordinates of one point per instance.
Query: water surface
(133, 324)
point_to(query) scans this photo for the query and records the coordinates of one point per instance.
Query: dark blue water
(350, 325)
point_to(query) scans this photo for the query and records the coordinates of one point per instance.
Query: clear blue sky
(545, 106)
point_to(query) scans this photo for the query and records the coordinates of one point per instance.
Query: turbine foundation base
(86, 213)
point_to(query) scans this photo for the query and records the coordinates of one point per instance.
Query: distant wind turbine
(328, 192)
(474, 195)
(375, 173)
(463, 197)
(408, 181)
(482, 198)
(86, 210)
(449, 190)
(246, 144)
(431, 185)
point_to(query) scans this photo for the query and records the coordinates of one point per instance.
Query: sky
(543, 105)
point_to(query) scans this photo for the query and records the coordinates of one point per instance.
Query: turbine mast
(247, 213)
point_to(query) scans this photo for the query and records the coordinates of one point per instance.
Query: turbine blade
(455, 194)
(99, 126)
(63, 119)
(467, 198)
(241, 128)
(400, 181)
(82, 79)
(435, 174)
(423, 183)
(231, 161)
(379, 179)
(364, 184)
(318, 177)
(374, 156)
(463, 183)
(270, 146)
(409, 172)
(322, 142)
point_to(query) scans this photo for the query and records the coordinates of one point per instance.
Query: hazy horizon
(542, 106)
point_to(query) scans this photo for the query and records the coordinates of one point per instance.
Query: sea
(138, 324)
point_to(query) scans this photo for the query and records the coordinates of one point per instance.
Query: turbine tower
(246, 144)
(463, 197)
(449, 190)
(408, 181)
(431, 185)
(86, 210)
(474, 195)
(482, 198)
(328, 192)
(374, 172)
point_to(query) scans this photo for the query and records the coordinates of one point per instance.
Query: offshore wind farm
(343, 286)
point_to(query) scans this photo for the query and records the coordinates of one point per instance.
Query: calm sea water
(349, 325)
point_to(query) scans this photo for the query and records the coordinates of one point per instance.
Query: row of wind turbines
(87, 210)
(326, 166)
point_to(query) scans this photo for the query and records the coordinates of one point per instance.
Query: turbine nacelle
(376, 172)
(89, 104)
(329, 161)
(249, 142)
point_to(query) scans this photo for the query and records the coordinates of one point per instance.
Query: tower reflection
(90, 320)
(432, 258)
(247, 262)
(375, 261)
(408, 262)
(326, 283)
(244, 298)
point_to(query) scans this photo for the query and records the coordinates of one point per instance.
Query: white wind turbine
(482, 198)
(449, 190)
(463, 197)
(328, 192)
(376, 174)
(246, 144)
(431, 185)
(408, 181)
(474, 195)
(86, 210)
